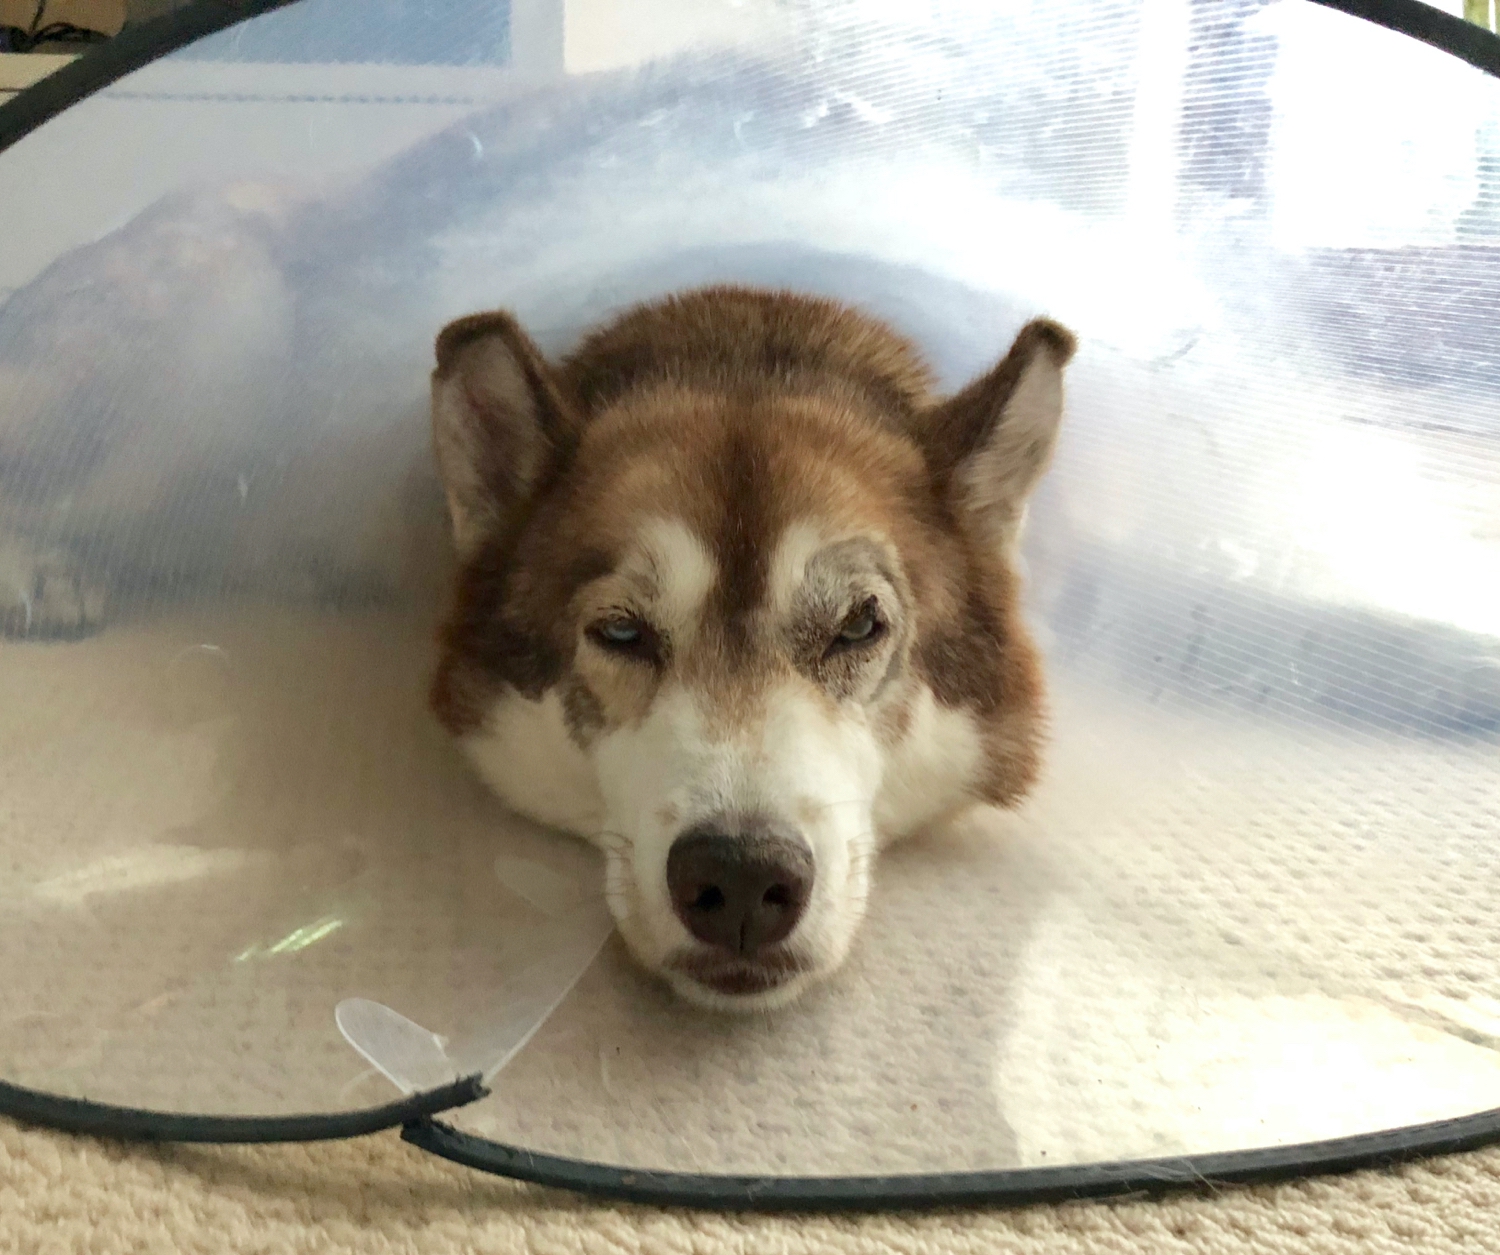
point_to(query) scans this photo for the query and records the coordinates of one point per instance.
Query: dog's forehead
(672, 567)
(734, 505)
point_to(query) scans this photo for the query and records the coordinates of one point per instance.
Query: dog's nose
(740, 887)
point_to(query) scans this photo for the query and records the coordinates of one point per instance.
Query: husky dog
(738, 601)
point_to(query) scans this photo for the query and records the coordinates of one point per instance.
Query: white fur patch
(930, 771)
(798, 544)
(684, 572)
(525, 754)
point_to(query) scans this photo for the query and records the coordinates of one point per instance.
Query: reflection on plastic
(550, 893)
(526, 999)
(297, 939)
(406, 1054)
(144, 868)
(413, 1058)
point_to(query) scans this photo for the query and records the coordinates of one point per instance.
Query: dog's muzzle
(740, 885)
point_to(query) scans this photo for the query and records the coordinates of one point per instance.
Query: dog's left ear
(991, 442)
(501, 423)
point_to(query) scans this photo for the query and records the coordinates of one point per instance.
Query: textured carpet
(59, 1194)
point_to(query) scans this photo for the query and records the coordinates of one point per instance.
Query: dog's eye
(863, 627)
(627, 635)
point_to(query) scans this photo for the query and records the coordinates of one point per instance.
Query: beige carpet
(59, 1194)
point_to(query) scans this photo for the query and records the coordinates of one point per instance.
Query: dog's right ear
(991, 442)
(500, 423)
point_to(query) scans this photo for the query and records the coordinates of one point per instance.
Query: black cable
(134, 1124)
(1006, 1187)
(1455, 36)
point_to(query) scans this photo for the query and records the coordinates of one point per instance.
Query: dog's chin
(735, 986)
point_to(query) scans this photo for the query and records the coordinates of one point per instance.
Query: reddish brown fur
(741, 412)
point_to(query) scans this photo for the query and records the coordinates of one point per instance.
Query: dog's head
(759, 585)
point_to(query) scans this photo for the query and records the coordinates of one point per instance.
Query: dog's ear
(501, 423)
(991, 442)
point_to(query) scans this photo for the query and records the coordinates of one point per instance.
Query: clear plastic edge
(416, 1059)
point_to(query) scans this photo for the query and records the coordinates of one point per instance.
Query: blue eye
(625, 634)
(860, 627)
(864, 626)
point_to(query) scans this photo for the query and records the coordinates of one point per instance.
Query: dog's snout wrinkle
(741, 886)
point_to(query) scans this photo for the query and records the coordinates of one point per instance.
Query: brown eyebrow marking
(588, 566)
(746, 490)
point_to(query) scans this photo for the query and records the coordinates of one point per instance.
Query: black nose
(739, 886)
